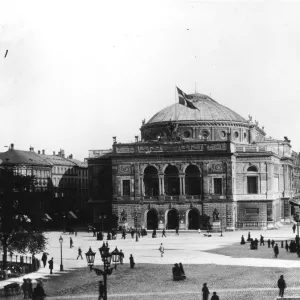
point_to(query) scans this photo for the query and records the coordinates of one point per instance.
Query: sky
(78, 73)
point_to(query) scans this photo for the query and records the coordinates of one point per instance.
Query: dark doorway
(204, 221)
(152, 220)
(193, 219)
(172, 219)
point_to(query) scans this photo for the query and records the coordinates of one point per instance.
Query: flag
(183, 99)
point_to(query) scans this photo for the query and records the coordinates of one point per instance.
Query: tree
(19, 211)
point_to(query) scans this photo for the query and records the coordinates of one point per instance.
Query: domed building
(195, 168)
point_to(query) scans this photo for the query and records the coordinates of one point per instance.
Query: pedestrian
(272, 243)
(281, 285)
(44, 259)
(79, 253)
(262, 241)
(177, 230)
(75, 233)
(106, 244)
(276, 250)
(243, 240)
(29, 288)
(25, 288)
(205, 291)
(214, 296)
(163, 233)
(286, 246)
(94, 232)
(132, 233)
(131, 261)
(71, 243)
(269, 243)
(199, 230)
(249, 237)
(121, 257)
(294, 228)
(154, 233)
(161, 249)
(124, 234)
(50, 262)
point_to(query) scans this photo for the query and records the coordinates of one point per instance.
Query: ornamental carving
(144, 148)
(217, 168)
(155, 148)
(197, 147)
(215, 147)
(185, 147)
(124, 169)
(125, 150)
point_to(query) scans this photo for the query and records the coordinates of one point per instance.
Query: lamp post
(102, 217)
(296, 218)
(221, 226)
(135, 218)
(106, 258)
(61, 263)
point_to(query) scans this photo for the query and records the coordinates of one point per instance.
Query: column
(142, 186)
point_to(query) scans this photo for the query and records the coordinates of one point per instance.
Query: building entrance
(172, 219)
(152, 220)
(193, 219)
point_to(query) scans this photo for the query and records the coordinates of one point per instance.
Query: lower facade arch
(171, 218)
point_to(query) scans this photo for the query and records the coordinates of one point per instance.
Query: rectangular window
(218, 186)
(126, 187)
(252, 185)
(251, 211)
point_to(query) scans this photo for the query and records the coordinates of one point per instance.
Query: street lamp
(106, 258)
(90, 258)
(221, 226)
(135, 216)
(61, 263)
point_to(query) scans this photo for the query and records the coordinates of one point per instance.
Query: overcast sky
(79, 72)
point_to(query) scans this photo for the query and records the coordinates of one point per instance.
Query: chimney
(62, 153)
(71, 156)
(53, 152)
(43, 151)
(39, 152)
(136, 138)
(12, 146)
(31, 149)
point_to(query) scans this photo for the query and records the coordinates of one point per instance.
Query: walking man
(177, 230)
(79, 253)
(276, 250)
(272, 243)
(281, 285)
(25, 288)
(44, 259)
(71, 243)
(161, 249)
(294, 228)
(50, 262)
(262, 242)
(205, 291)
(163, 233)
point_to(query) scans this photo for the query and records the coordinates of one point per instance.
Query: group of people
(178, 272)
(37, 293)
(205, 293)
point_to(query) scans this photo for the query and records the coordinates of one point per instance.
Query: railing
(17, 265)
(250, 224)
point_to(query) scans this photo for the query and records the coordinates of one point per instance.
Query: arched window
(151, 181)
(171, 181)
(192, 180)
(252, 180)
(252, 169)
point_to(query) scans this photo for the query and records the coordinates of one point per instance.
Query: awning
(295, 202)
(48, 217)
(72, 215)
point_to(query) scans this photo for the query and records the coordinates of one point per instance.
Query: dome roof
(209, 110)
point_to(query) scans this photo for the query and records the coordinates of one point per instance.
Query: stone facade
(183, 170)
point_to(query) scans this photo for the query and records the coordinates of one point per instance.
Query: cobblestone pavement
(233, 278)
